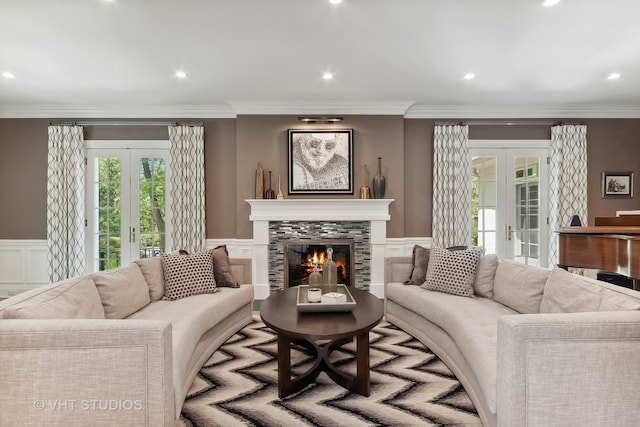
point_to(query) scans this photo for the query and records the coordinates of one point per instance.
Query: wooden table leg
(363, 382)
(284, 365)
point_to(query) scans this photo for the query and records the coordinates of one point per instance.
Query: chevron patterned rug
(410, 386)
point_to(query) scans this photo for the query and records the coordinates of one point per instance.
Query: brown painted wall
(233, 148)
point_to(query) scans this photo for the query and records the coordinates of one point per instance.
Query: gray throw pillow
(222, 268)
(420, 262)
(452, 272)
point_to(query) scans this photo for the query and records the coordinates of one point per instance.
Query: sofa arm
(397, 269)
(568, 369)
(241, 270)
(86, 372)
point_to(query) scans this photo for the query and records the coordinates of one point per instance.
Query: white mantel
(376, 211)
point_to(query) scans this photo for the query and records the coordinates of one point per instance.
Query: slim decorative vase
(270, 194)
(365, 191)
(279, 196)
(379, 182)
(259, 182)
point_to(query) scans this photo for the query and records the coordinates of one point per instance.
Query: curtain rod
(506, 123)
(123, 123)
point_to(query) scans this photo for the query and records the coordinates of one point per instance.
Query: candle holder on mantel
(270, 194)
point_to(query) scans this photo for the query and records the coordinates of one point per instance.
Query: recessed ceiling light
(613, 76)
(469, 76)
(181, 74)
(8, 75)
(327, 75)
(549, 3)
(335, 1)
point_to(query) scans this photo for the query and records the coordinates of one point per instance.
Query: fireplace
(301, 255)
(276, 221)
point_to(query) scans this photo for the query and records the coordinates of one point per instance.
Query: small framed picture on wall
(617, 185)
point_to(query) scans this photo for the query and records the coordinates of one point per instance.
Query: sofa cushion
(154, 276)
(419, 263)
(75, 298)
(618, 298)
(122, 291)
(222, 268)
(186, 275)
(452, 272)
(519, 286)
(483, 285)
(569, 293)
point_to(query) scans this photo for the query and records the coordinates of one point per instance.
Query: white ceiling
(93, 58)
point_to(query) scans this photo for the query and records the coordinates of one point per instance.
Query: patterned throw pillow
(452, 272)
(222, 268)
(187, 275)
(420, 261)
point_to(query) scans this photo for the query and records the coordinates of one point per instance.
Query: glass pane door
(127, 199)
(509, 202)
(151, 206)
(526, 232)
(484, 202)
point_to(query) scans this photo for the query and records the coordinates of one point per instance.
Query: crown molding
(423, 111)
(117, 111)
(331, 107)
(407, 109)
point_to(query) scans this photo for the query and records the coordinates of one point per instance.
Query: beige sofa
(117, 354)
(539, 348)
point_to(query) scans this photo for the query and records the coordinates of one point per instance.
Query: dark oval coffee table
(280, 313)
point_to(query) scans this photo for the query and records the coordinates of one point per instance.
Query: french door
(127, 203)
(509, 200)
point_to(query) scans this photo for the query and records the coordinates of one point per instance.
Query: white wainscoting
(23, 266)
(23, 263)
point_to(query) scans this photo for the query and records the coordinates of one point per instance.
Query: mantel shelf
(320, 209)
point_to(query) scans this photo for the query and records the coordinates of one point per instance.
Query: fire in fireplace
(300, 256)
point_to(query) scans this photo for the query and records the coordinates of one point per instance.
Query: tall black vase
(379, 182)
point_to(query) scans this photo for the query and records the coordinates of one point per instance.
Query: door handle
(132, 234)
(509, 231)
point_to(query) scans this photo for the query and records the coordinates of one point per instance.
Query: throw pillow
(187, 275)
(222, 268)
(152, 271)
(569, 293)
(452, 272)
(123, 291)
(519, 286)
(75, 298)
(487, 266)
(420, 262)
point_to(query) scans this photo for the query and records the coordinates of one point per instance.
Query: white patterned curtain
(65, 202)
(186, 151)
(451, 186)
(568, 181)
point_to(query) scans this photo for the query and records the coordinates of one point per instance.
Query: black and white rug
(410, 386)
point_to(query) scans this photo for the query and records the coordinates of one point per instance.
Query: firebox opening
(300, 255)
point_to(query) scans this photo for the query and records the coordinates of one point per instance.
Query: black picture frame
(320, 161)
(617, 185)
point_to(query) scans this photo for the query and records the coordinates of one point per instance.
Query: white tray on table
(317, 307)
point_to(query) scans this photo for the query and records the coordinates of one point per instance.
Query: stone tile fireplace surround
(277, 220)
